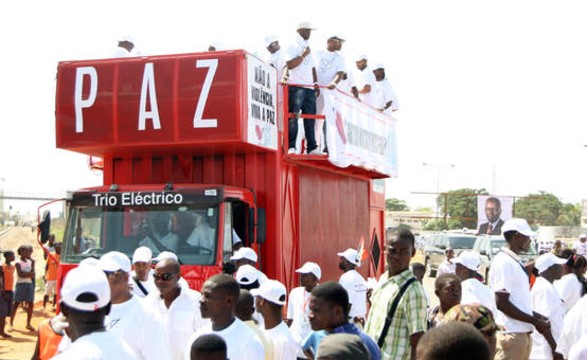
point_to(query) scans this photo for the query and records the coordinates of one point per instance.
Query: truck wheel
(431, 272)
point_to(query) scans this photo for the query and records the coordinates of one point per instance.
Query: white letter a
(149, 88)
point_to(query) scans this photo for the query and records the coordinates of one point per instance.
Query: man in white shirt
(473, 291)
(128, 319)
(386, 99)
(574, 327)
(126, 48)
(247, 256)
(219, 297)
(85, 302)
(270, 299)
(511, 285)
(364, 82)
(304, 89)
(298, 308)
(447, 266)
(177, 307)
(330, 68)
(354, 284)
(276, 57)
(546, 301)
(580, 246)
(156, 235)
(141, 280)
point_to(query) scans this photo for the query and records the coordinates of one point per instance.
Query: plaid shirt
(409, 317)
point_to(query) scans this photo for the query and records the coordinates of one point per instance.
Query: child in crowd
(5, 305)
(25, 288)
(7, 288)
(53, 259)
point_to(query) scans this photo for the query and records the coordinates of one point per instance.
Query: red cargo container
(192, 145)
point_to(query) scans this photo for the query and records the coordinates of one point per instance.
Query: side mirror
(45, 226)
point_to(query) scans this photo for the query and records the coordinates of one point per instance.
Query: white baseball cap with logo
(468, 259)
(245, 253)
(166, 255)
(85, 288)
(545, 261)
(519, 225)
(246, 275)
(351, 255)
(273, 291)
(310, 268)
(115, 261)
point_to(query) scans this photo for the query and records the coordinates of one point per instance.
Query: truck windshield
(188, 231)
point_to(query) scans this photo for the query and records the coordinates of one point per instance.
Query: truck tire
(431, 272)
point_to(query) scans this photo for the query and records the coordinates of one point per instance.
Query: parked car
(487, 246)
(438, 243)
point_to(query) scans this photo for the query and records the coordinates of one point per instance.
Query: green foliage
(396, 205)
(546, 209)
(434, 225)
(461, 207)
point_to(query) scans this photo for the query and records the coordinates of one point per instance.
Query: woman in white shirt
(570, 287)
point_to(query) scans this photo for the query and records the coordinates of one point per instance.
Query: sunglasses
(110, 273)
(164, 276)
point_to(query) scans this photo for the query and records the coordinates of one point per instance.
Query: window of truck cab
(190, 231)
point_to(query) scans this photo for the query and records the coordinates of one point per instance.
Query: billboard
(492, 212)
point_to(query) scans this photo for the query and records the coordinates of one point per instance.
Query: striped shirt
(409, 317)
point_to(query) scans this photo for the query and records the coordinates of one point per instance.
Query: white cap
(305, 25)
(361, 57)
(128, 38)
(337, 37)
(246, 275)
(270, 40)
(166, 255)
(245, 253)
(583, 236)
(85, 280)
(519, 225)
(142, 254)
(90, 261)
(310, 267)
(381, 66)
(547, 260)
(273, 291)
(468, 259)
(115, 261)
(351, 255)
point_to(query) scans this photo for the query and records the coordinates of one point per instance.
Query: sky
(492, 94)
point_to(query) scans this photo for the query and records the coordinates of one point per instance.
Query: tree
(396, 205)
(539, 209)
(461, 207)
(570, 215)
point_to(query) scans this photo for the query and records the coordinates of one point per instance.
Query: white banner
(262, 104)
(358, 135)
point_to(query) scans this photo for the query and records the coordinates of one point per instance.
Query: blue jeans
(302, 99)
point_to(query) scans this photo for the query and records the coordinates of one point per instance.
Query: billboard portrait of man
(496, 210)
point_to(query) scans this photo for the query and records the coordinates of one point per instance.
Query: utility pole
(438, 168)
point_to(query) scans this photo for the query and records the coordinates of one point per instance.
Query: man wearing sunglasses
(128, 317)
(176, 306)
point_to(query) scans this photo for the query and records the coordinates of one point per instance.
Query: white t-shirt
(579, 350)
(328, 64)
(475, 292)
(298, 310)
(569, 288)
(100, 345)
(284, 345)
(574, 327)
(241, 342)
(546, 301)
(277, 60)
(363, 78)
(356, 287)
(507, 274)
(446, 267)
(140, 329)
(385, 93)
(580, 247)
(180, 320)
(301, 74)
(149, 285)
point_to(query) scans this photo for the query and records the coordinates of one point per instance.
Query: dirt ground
(22, 343)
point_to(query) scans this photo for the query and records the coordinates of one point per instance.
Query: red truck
(193, 147)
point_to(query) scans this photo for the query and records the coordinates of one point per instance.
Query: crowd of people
(313, 76)
(116, 307)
